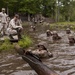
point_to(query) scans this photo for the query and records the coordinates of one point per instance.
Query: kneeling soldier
(15, 27)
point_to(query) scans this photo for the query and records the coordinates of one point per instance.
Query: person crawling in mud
(55, 36)
(68, 31)
(71, 40)
(35, 62)
(48, 33)
(40, 52)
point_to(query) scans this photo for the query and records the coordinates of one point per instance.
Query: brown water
(63, 61)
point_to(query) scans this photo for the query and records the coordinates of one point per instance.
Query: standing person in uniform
(15, 27)
(3, 17)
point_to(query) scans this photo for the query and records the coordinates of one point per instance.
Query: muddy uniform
(3, 17)
(40, 53)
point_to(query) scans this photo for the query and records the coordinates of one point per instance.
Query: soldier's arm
(14, 25)
(20, 23)
(0, 15)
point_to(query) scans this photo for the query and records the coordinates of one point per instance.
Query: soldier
(34, 20)
(15, 27)
(55, 36)
(48, 33)
(3, 17)
(71, 40)
(68, 31)
(41, 51)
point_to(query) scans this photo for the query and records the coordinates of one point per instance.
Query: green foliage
(25, 42)
(6, 45)
(63, 10)
(62, 25)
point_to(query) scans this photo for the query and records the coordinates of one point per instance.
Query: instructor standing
(3, 18)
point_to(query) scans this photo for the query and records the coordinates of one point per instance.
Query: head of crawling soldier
(42, 46)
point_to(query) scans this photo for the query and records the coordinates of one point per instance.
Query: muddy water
(63, 61)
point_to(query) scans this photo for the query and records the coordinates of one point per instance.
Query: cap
(3, 8)
(68, 29)
(48, 31)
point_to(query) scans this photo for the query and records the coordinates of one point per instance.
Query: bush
(25, 42)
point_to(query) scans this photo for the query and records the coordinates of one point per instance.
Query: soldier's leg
(1, 29)
(12, 33)
(11, 36)
(19, 30)
(4, 28)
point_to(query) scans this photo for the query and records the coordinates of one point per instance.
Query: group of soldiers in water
(56, 37)
(42, 50)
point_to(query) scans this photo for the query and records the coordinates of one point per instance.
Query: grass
(25, 42)
(62, 25)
